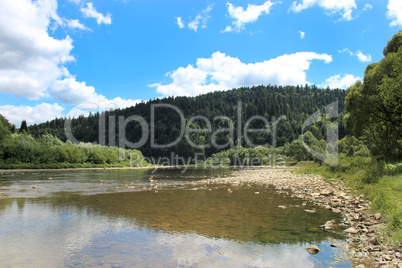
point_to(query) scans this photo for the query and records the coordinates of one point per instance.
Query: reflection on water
(180, 224)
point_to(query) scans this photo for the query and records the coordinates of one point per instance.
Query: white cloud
(90, 12)
(199, 21)
(36, 114)
(394, 12)
(346, 50)
(342, 7)
(367, 7)
(358, 54)
(302, 34)
(30, 60)
(337, 82)
(221, 72)
(32, 63)
(201, 18)
(69, 91)
(75, 24)
(362, 57)
(251, 14)
(180, 22)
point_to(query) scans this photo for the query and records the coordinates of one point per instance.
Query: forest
(284, 108)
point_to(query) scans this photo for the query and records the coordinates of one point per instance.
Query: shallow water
(162, 219)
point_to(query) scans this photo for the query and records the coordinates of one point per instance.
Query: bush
(374, 171)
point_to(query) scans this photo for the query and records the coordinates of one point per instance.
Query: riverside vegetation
(19, 149)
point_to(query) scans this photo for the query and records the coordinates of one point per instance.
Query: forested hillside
(296, 103)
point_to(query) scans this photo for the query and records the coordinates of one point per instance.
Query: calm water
(162, 219)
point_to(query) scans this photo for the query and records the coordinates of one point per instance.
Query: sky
(59, 56)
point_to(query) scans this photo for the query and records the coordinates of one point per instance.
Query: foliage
(5, 128)
(351, 146)
(375, 106)
(24, 127)
(240, 156)
(298, 148)
(23, 150)
(296, 103)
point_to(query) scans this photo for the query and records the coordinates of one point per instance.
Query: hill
(205, 124)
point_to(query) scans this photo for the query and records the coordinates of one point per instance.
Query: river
(162, 218)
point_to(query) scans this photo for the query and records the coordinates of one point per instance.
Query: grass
(380, 182)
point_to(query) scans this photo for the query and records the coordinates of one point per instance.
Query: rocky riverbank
(365, 229)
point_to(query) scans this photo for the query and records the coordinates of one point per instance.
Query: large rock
(313, 249)
(351, 230)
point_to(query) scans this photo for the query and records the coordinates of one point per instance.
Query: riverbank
(22, 170)
(366, 229)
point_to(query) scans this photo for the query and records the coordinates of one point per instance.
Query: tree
(24, 126)
(5, 128)
(375, 106)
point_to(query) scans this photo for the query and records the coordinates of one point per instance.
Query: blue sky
(57, 54)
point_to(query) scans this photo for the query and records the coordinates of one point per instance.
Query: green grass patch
(380, 182)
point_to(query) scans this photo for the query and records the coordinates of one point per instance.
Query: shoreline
(366, 230)
(2, 171)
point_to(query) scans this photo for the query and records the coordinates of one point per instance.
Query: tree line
(19, 149)
(294, 103)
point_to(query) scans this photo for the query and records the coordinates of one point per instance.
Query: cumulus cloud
(90, 12)
(337, 81)
(302, 34)
(241, 17)
(33, 63)
(394, 12)
(30, 59)
(222, 72)
(69, 91)
(36, 114)
(342, 7)
(199, 21)
(361, 57)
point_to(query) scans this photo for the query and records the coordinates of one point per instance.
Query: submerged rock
(328, 225)
(313, 250)
(310, 210)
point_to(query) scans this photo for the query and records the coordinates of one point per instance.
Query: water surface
(138, 218)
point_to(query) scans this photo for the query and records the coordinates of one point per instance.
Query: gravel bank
(365, 229)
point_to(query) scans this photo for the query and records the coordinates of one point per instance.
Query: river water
(143, 218)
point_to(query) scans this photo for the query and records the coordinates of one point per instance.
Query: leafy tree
(5, 128)
(375, 106)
